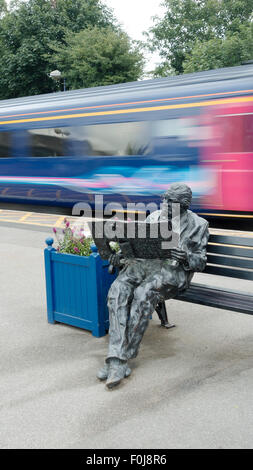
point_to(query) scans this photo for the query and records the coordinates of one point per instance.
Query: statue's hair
(179, 192)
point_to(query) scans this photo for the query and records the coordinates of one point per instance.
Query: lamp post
(56, 75)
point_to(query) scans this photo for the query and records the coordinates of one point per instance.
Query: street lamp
(56, 75)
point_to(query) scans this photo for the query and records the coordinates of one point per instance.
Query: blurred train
(129, 142)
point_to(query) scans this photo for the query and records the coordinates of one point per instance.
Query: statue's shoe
(118, 370)
(104, 371)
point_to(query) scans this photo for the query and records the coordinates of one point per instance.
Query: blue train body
(127, 142)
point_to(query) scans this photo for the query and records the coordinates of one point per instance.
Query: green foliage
(163, 70)
(29, 29)
(79, 14)
(24, 73)
(215, 53)
(3, 7)
(75, 242)
(98, 56)
(72, 241)
(190, 22)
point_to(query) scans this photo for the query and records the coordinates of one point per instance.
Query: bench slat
(230, 250)
(231, 240)
(226, 261)
(229, 272)
(218, 298)
(240, 247)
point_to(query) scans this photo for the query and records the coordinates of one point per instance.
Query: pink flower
(54, 230)
(76, 249)
(67, 224)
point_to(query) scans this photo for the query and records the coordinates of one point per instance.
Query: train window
(181, 129)
(248, 132)
(175, 136)
(236, 132)
(5, 144)
(129, 138)
(47, 142)
(230, 133)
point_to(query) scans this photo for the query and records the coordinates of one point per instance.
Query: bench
(230, 256)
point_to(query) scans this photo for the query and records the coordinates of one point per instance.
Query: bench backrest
(230, 256)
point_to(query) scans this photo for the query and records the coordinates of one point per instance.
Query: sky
(135, 17)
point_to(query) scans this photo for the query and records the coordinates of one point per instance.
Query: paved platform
(191, 386)
(29, 219)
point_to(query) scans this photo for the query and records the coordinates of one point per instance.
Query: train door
(228, 154)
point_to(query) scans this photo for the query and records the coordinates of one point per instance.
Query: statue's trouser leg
(146, 297)
(119, 299)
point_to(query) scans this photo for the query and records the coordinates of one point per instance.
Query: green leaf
(189, 25)
(98, 56)
(30, 30)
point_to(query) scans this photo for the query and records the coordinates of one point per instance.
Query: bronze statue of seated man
(142, 283)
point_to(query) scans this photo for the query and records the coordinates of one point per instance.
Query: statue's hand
(115, 259)
(178, 254)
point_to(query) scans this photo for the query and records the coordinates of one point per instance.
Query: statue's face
(166, 208)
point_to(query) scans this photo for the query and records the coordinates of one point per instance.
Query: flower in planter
(75, 242)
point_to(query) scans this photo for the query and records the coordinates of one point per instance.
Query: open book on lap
(136, 239)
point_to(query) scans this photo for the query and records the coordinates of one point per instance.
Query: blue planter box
(77, 288)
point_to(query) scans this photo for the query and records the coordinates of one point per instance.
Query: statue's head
(177, 193)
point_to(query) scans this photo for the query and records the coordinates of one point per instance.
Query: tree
(215, 53)
(80, 14)
(26, 33)
(3, 7)
(189, 21)
(98, 56)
